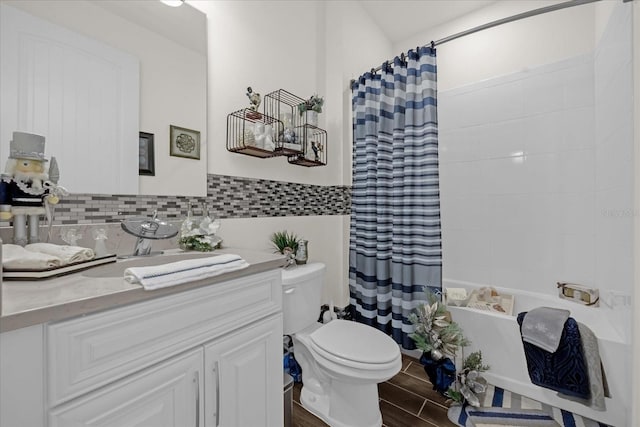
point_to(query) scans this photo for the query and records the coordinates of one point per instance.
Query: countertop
(26, 303)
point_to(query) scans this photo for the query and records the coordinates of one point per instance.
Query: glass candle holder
(302, 254)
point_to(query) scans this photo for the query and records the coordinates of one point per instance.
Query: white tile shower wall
(537, 173)
(614, 169)
(518, 178)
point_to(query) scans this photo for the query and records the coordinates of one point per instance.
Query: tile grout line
(424, 381)
(419, 395)
(421, 408)
(404, 410)
(413, 376)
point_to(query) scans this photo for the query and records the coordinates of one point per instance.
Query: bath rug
(497, 399)
(469, 416)
(483, 417)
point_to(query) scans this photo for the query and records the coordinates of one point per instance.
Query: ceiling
(184, 25)
(401, 19)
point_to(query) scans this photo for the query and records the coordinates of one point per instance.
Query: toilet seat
(340, 362)
(354, 343)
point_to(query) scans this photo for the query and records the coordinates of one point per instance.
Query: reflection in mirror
(167, 44)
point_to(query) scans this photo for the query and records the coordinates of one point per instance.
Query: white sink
(116, 269)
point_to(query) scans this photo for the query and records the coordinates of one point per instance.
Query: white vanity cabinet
(208, 356)
(167, 395)
(237, 373)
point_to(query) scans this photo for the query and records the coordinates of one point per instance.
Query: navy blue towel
(565, 370)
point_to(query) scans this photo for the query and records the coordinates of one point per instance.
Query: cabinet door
(243, 377)
(165, 395)
(22, 377)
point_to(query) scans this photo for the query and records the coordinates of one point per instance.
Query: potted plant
(469, 386)
(439, 338)
(311, 107)
(286, 243)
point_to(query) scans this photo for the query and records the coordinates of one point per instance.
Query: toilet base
(346, 405)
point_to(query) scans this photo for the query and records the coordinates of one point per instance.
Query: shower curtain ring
(433, 44)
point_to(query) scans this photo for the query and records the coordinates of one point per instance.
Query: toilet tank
(301, 296)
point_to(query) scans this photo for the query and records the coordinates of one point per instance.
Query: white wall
(517, 173)
(303, 47)
(172, 86)
(614, 166)
(268, 46)
(322, 232)
(536, 169)
(508, 48)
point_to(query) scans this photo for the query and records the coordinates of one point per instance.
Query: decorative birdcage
(283, 105)
(252, 133)
(284, 128)
(314, 147)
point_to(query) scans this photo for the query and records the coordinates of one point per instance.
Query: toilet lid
(356, 342)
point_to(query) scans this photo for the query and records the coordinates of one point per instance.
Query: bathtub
(498, 337)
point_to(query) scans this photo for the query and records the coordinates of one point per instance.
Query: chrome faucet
(147, 230)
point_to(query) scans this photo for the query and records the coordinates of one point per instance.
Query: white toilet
(342, 361)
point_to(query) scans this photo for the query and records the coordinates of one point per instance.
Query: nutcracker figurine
(27, 191)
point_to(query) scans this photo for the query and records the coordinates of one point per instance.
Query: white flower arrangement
(435, 332)
(440, 338)
(200, 237)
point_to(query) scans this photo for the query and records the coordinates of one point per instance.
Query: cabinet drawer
(91, 351)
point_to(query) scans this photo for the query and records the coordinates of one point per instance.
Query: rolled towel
(15, 257)
(543, 327)
(68, 254)
(176, 273)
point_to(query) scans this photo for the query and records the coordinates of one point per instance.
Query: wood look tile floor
(406, 400)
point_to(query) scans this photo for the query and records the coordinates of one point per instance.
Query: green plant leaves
(283, 240)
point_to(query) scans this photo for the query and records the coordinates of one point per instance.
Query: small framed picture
(146, 163)
(184, 142)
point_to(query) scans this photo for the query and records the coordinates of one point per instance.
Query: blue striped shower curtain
(395, 242)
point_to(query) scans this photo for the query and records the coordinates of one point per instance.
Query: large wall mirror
(92, 75)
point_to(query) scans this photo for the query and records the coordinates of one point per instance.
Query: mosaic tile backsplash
(227, 197)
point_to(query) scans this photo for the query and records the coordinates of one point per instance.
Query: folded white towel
(175, 273)
(68, 254)
(543, 327)
(15, 257)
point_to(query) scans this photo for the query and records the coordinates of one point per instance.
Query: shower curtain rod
(513, 18)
